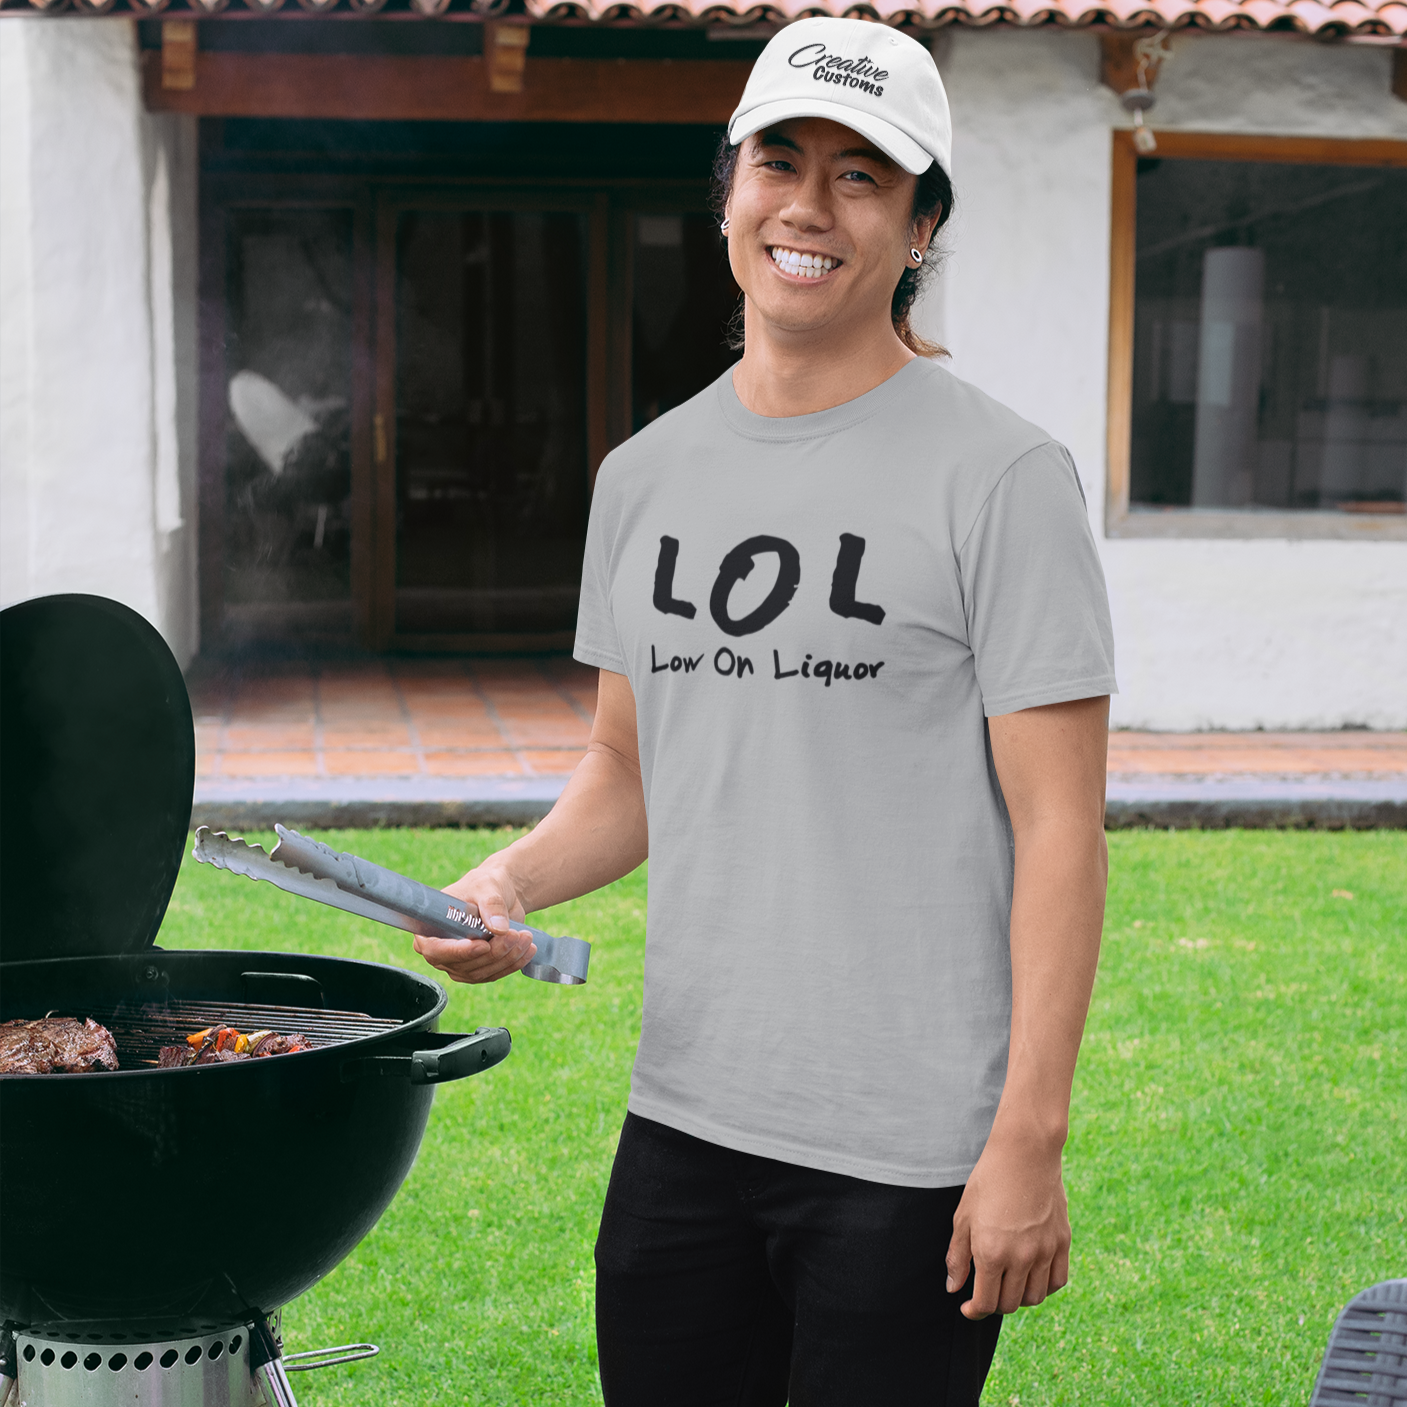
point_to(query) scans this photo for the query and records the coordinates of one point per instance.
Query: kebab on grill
(55, 1045)
(216, 1045)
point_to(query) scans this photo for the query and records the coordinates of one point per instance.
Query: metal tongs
(306, 867)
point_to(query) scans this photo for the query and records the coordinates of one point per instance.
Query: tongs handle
(435, 911)
(561, 960)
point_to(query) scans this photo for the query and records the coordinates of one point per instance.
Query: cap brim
(885, 135)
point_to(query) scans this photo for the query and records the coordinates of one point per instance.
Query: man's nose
(809, 206)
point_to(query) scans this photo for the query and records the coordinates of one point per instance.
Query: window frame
(1119, 519)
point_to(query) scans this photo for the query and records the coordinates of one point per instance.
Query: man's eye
(858, 176)
(780, 165)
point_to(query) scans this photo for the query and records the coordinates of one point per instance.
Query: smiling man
(855, 656)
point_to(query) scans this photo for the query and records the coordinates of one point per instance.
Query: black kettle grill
(153, 1221)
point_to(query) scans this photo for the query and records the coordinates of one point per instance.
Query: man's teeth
(805, 265)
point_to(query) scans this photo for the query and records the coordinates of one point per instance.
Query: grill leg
(266, 1360)
(274, 1381)
(9, 1366)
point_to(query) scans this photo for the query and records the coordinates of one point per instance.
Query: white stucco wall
(1211, 633)
(98, 349)
(97, 328)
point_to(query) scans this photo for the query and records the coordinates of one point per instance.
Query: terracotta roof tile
(1384, 20)
(1349, 17)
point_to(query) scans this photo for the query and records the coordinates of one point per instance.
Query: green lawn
(1236, 1165)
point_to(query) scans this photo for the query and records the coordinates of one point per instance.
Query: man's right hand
(491, 891)
(596, 833)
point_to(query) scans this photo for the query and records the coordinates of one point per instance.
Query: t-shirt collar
(819, 423)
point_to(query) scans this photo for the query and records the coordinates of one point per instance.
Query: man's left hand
(1013, 1223)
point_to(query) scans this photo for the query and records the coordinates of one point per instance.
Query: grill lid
(96, 741)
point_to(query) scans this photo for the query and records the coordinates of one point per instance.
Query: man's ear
(924, 230)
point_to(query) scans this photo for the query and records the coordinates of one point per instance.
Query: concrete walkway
(492, 742)
(1352, 778)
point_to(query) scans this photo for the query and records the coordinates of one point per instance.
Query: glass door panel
(287, 395)
(490, 421)
(683, 301)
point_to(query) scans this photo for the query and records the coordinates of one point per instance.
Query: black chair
(1365, 1364)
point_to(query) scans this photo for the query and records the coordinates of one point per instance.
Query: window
(1258, 357)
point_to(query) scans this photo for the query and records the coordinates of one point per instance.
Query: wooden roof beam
(387, 87)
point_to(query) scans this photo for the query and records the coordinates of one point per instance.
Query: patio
(492, 741)
(395, 718)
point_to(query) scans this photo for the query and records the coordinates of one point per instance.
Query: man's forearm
(1012, 1220)
(1051, 763)
(594, 834)
(1057, 914)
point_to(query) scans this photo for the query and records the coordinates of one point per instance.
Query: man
(855, 657)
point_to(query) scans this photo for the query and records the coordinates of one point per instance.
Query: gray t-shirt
(816, 614)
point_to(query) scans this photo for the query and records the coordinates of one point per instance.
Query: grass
(1235, 1165)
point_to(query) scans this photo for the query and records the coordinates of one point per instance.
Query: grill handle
(316, 1358)
(435, 1057)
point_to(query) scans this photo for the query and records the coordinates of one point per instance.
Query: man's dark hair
(933, 195)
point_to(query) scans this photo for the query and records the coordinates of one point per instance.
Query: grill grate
(141, 1032)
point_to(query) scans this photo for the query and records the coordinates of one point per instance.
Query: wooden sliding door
(408, 389)
(487, 405)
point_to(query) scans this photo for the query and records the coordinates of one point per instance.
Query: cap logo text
(832, 68)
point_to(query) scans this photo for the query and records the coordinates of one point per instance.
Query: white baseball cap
(866, 76)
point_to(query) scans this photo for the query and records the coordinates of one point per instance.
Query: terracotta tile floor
(457, 718)
(1345, 754)
(401, 718)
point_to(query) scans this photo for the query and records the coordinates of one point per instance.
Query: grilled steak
(55, 1045)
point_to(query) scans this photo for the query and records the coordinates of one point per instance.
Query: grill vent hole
(193, 1354)
(215, 1350)
(142, 1362)
(93, 1362)
(168, 1359)
(69, 1359)
(117, 1362)
(47, 1357)
(235, 1343)
(29, 1353)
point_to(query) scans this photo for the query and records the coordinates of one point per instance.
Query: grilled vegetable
(217, 1044)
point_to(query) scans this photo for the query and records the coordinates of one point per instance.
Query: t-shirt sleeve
(597, 641)
(1034, 594)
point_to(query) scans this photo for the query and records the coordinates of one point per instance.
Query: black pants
(728, 1280)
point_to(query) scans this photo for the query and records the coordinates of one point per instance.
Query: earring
(723, 228)
(916, 255)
